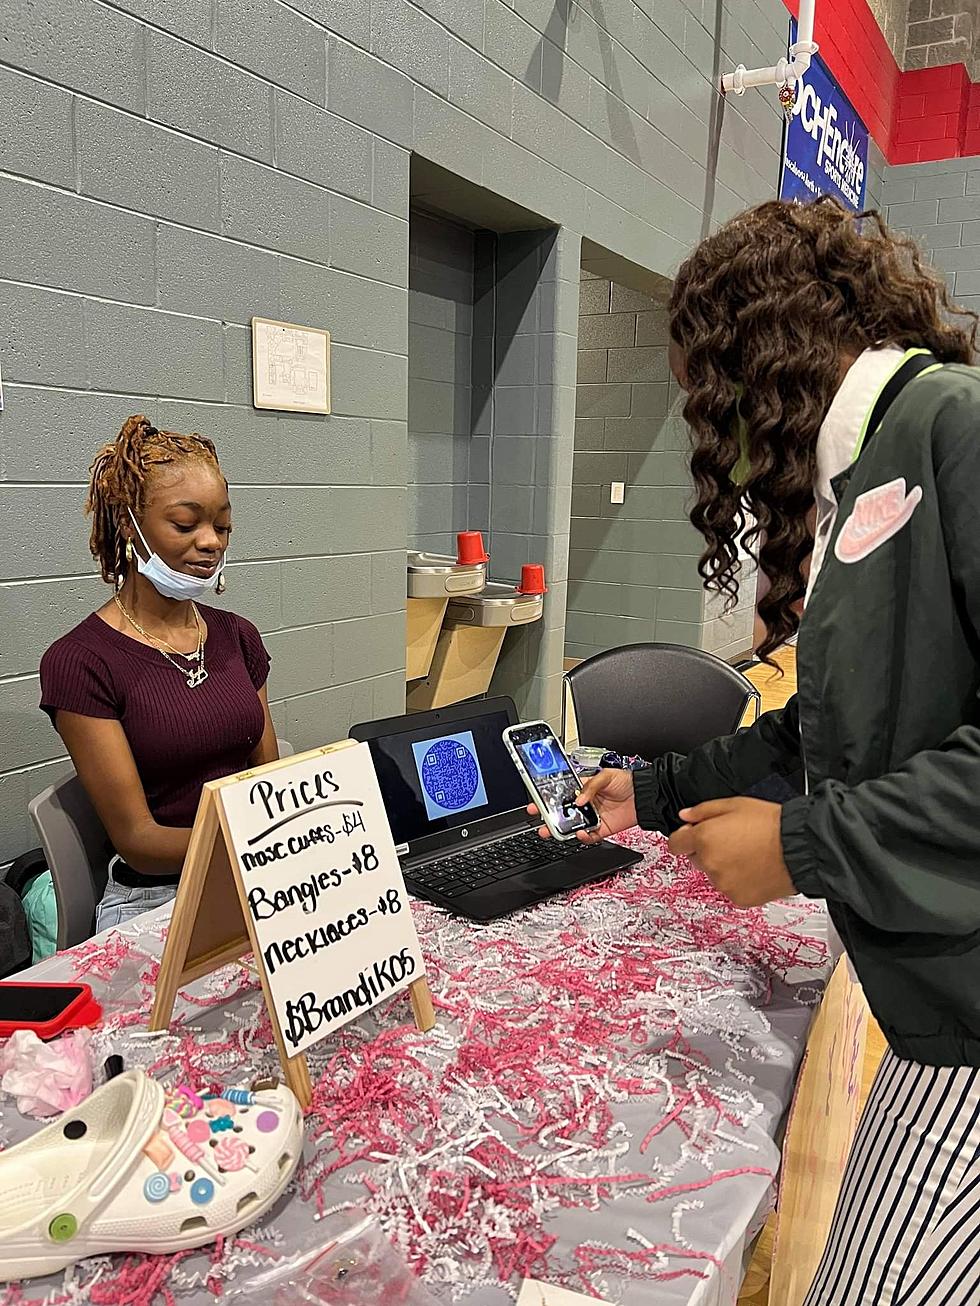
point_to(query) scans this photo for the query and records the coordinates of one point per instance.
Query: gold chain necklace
(194, 675)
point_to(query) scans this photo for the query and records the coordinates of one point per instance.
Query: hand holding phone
(550, 779)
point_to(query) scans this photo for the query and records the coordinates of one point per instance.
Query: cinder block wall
(440, 395)
(172, 169)
(939, 204)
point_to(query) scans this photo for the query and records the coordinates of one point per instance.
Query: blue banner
(825, 143)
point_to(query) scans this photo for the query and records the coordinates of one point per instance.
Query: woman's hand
(611, 793)
(737, 842)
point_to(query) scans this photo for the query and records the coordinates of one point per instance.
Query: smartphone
(47, 1009)
(550, 779)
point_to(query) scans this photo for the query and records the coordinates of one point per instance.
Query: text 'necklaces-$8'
(195, 675)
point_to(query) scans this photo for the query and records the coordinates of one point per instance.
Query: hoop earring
(129, 551)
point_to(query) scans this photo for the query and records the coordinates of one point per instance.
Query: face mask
(740, 472)
(172, 584)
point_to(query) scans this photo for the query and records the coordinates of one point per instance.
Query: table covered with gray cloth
(598, 1106)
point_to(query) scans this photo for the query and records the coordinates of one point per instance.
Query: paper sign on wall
(324, 891)
(295, 862)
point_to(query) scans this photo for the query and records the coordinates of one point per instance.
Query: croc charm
(787, 98)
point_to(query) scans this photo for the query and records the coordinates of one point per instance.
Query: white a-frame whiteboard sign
(323, 890)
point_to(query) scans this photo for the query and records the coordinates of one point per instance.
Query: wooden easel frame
(201, 941)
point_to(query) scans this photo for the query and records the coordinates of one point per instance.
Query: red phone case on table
(83, 1010)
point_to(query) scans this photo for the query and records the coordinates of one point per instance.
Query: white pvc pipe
(786, 71)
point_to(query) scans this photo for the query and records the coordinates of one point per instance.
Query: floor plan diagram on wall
(290, 366)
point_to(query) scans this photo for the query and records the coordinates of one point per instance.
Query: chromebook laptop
(457, 809)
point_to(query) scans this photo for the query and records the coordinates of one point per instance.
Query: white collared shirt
(838, 438)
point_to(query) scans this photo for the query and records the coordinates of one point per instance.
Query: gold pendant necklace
(194, 675)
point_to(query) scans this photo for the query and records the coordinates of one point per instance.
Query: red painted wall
(914, 116)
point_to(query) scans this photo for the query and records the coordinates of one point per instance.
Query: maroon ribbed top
(180, 737)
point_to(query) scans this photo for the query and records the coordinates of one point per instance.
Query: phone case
(529, 783)
(83, 1010)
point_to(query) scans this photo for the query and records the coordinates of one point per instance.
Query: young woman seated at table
(155, 694)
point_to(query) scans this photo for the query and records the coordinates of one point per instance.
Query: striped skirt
(906, 1231)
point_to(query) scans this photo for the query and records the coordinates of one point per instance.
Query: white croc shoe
(135, 1169)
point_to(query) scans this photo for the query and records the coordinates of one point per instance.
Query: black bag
(15, 937)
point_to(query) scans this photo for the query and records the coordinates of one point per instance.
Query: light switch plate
(617, 492)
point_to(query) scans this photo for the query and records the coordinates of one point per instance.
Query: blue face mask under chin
(173, 584)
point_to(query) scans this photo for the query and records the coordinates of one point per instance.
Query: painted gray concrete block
(955, 260)
(53, 239)
(679, 605)
(268, 208)
(172, 355)
(956, 210)
(947, 185)
(968, 283)
(448, 136)
(347, 18)
(637, 434)
(591, 366)
(53, 435)
(302, 660)
(84, 47)
(388, 582)
(247, 439)
(513, 460)
(464, 17)
(365, 520)
(672, 467)
(39, 612)
(973, 183)
(370, 314)
(209, 277)
(389, 453)
(512, 44)
(275, 42)
(389, 695)
(318, 450)
(430, 510)
(321, 147)
(370, 646)
(652, 328)
(589, 433)
(600, 468)
(145, 167)
(479, 88)
(643, 365)
(35, 129)
(366, 241)
(42, 338)
(325, 716)
(687, 633)
(970, 232)
(607, 330)
(410, 41)
(641, 601)
(207, 97)
(390, 172)
(944, 235)
(17, 788)
(604, 400)
(54, 513)
(388, 111)
(649, 399)
(190, 19)
(254, 592)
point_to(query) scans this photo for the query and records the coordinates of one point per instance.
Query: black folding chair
(645, 700)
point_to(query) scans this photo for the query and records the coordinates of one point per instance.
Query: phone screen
(35, 1005)
(555, 782)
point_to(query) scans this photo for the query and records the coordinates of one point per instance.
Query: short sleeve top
(180, 737)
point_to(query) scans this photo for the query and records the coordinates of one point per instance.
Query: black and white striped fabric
(906, 1231)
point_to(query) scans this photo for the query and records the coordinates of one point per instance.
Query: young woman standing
(155, 694)
(824, 367)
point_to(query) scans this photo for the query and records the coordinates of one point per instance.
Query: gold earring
(129, 551)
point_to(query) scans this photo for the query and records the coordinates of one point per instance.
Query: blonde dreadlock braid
(117, 484)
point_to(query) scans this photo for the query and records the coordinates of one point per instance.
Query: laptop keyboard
(458, 873)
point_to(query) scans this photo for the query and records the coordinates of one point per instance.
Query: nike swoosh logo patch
(878, 516)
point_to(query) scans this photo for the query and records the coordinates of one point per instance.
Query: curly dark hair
(765, 312)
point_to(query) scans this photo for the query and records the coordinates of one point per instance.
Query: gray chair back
(77, 850)
(646, 700)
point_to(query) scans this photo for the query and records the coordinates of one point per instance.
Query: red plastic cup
(469, 547)
(532, 579)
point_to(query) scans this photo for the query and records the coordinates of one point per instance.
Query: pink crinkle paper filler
(46, 1078)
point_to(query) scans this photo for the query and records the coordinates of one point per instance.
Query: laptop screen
(438, 775)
